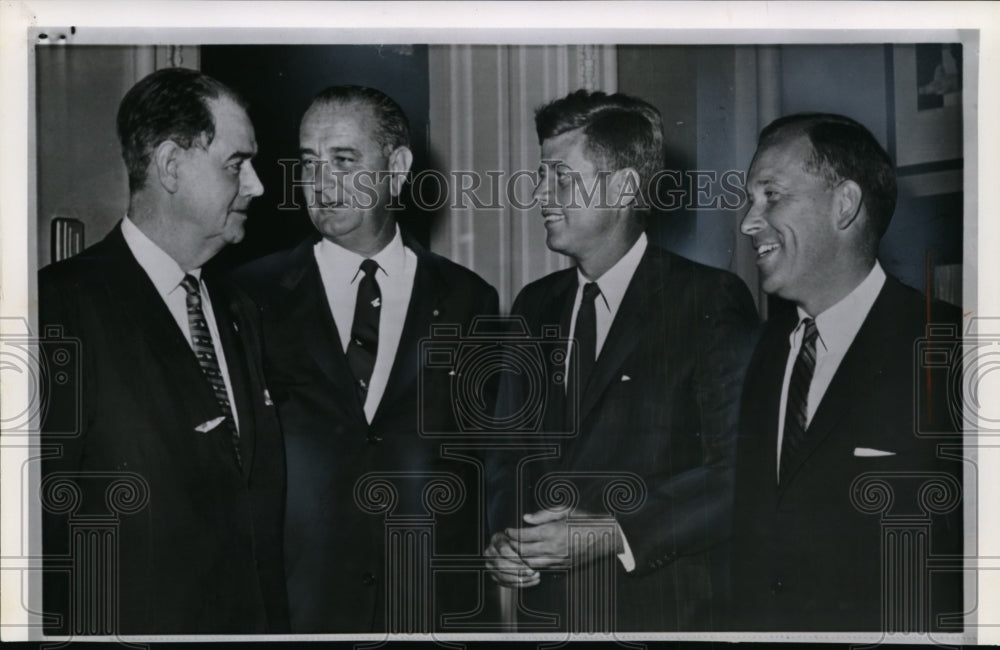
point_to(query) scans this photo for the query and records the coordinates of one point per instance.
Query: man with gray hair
(344, 314)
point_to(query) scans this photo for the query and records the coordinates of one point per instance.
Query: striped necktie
(204, 350)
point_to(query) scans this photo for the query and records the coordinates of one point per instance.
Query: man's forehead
(569, 145)
(232, 124)
(782, 155)
(339, 115)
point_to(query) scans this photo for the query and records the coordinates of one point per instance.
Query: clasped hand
(515, 555)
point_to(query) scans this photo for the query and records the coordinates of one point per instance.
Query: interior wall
(80, 170)
(711, 99)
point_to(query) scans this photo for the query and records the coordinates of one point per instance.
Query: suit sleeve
(690, 512)
(63, 431)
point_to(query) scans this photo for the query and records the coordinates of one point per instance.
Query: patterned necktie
(585, 334)
(798, 397)
(204, 350)
(363, 347)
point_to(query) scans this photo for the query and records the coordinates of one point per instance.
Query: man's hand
(506, 567)
(546, 543)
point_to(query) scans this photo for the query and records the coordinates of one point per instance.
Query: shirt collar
(839, 324)
(346, 264)
(615, 280)
(164, 271)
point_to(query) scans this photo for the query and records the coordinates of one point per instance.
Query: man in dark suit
(622, 524)
(344, 314)
(168, 452)
(842, 492)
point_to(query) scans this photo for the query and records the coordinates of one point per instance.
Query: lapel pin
(267, 398)
(236, 327)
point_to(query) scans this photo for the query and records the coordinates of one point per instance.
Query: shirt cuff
(625, 557)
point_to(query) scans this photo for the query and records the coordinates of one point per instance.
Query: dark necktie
(363, 347)
(798, 397)
(585, 333)
(204, 351)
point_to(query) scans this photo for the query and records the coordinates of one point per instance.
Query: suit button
(368, 579)
(373, 438)
(777, 587)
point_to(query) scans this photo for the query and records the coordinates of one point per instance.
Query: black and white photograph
(476, 333)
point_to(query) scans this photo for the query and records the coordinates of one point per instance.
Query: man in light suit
(654, 370)
(344, 314)
(170, 434)
(837, 411)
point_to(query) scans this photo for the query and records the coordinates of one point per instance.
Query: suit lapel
(857, 370)
(150, 321)
(761, 405)
(644, 289)
(230, 334)
(429, 286)
(309, 308)
(559, 309)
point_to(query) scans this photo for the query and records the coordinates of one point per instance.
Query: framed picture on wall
(926, 111)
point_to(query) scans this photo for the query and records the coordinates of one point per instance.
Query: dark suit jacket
(335, 534)
(199, 541)
(806, 555)
(660, 411)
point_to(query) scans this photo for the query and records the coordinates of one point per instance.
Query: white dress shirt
(612, 284)
(836, 326)
(166, 276)
(340, 271)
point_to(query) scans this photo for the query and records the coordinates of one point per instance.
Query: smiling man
(344, 314)
(833, 399)
(170, 435)
(657, 353)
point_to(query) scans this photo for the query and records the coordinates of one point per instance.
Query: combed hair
(622, 131)
(392, 129)
(843, 150)
(169, 104)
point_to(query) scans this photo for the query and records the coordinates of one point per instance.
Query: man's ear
(399, 163)
(166, 158)
(623, 189)
(847, 203)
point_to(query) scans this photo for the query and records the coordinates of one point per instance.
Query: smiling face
(217, 182)
(345, 176)
(792, 223)
(579, 221)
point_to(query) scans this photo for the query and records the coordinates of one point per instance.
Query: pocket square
(865, 452)
(205, 427)
(626, 378)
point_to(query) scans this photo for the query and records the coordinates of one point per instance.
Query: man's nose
(752, 221)
(251, 183)
(542, 191)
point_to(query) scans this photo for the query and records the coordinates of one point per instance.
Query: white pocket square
(205, 427)
(865, 452)
(626, 378)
